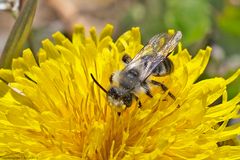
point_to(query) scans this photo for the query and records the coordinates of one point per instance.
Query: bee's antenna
(99, 85)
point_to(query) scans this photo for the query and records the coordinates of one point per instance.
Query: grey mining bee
(152, 60)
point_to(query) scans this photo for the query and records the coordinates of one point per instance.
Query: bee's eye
(113, 93)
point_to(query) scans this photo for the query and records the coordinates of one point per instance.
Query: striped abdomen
(164, 68)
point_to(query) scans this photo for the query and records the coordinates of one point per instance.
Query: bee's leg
(126, 58)
(147, 89)
(139, 102)
(111, 78)
(164, 88)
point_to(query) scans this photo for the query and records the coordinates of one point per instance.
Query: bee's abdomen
(164, 68)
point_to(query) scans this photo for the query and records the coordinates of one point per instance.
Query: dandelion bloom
(51, 108)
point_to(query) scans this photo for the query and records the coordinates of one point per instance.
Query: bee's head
(119, 97)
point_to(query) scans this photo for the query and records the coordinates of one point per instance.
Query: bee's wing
(163, 45)
(150, 49)
(141, 59)
(157, 49)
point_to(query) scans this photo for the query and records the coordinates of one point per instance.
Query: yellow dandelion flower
(52, 109)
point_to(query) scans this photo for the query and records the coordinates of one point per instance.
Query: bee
(152, 60)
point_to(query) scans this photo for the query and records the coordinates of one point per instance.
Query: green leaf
(19, 34)
(228, 21)
(193, 18)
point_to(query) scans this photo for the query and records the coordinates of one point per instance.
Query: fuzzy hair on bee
(151, 60)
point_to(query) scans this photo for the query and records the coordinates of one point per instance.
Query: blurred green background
(215, 23)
